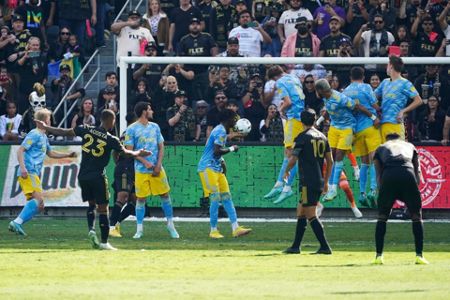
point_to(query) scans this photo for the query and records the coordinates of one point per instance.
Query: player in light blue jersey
(150, 177)
(367, 137)
(340, 108)
(394, 94)
(212, 172)
(31, 155)
(289, 89)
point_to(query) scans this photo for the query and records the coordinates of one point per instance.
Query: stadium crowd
(37, 35)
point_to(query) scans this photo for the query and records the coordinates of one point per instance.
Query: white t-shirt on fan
(289, 19)
(249, 40)
(129, 39)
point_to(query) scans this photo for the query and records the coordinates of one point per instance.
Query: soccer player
(340, 135)
(31, 155)
(150, 177)
(290, 91)
(398, 174)
(394, 93)
(212, 171)
(310, 149)
(367, 136)
(97, 145)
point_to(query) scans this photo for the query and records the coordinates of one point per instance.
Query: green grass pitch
(55, 262)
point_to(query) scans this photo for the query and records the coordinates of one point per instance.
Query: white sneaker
(319, 209)
(358, 214)
(138, 235)
(94, 239)
(331, 194)
(107, 246)
(173, 232)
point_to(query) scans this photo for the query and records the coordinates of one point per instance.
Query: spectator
(289, 19)
(198, 44)
(432, 125)
(271, 127)
(164, 98)
(131, 35)
(6, 41)
(110, 81)
(311, 99)
(445, 27)
(250, 35)
(74, 13)
(357, 15)
(32, 12)
(59, 47)
(184, 77)
(167, 6)
(9, 123)
(205, 7)
(254, 106)
(374, 81)
(430, 84)
(141, 94)
(76, 50)
(389, 16)
(6, 88)
(21, 37)
(323, 14)
(330, 45)
(401, 35)
(49, 12)
(269, 24)
(158, 23)
(336, 84)
(221, 22)
(7, 11)
(86, 113)
(110, 103)
(37, 101)
(317, 71)
(212, 118)
(302, 43)
(219, 79)
(412, 11)
(241, 5)
(181, 120)
(100, 23)
(179, 22)
(426, 42)
(150, 72)
(201, 109)
(446, 130)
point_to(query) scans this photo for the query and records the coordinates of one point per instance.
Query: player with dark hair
(150, 176)
(398, 173)
(97, 146)
(310, 149)
(212, 171)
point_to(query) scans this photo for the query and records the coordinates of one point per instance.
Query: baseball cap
(195, 20)
(201, 103)
(345, 40)
(17, 18)
(64, 67)
(255, 75)
(180, 93)
(109, 90)
(134, 13)
(301, 20)
(233, 41)
(151, 45)
(335, 18)
(241, 2)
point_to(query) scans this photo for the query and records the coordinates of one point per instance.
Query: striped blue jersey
(363, 95)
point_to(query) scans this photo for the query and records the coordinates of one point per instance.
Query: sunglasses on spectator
(64, 33)
(378, 22)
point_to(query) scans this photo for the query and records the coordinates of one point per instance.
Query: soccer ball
(243, 126)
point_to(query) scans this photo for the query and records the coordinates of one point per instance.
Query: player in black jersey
(96, 149)
(398, 174)
(123, 185)
(310, 149)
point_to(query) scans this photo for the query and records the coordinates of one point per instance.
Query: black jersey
(97, 146)
(303, 47)
(310, 148)
(124, 164)
(396, 154)
(199, 45)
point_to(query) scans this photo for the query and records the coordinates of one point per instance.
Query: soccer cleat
(331, 194)
(274, 192)
(241, 231)
(283, 196)
(420, 260)
(107, 246)
(173, 232)
(94, 239)
(356, 173)
(324, 251)
(319, 209)
(363, 200)
(379, 260)
(115, 232)
(215, 234)
(17, 228)
(138, 235)
(292, 250)
(358, 214)
(372, 197)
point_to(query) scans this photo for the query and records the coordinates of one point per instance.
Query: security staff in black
(197, 44)
(311, 148)
(398, 174)
(96, 148)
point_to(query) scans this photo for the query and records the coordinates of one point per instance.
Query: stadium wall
(251, 174)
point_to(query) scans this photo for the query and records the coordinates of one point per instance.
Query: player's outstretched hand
(143, 153)
(40, 124)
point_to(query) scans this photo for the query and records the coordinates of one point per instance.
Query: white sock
(278, 184)
(333, 187)
(286, 189)
(213, 229)
(18, 220)
(170, 223)
(234, 225)
(140, 227)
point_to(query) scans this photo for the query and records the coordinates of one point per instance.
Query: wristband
(373, 117)
(232, 149)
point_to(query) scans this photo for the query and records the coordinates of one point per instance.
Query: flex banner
(251, 174)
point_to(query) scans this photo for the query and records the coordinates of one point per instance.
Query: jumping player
(289, 89)
(310, 149)
(31, 155)
(97, 146)
(212, 171)
(150, 177)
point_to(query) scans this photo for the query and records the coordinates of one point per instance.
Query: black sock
(380, 231)
(104, 227)
(115, 214)
(90, 215)
(320, 234)
(299, 232)
(126, 211)
(417, 227)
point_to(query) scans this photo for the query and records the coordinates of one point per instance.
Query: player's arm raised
(55, 130)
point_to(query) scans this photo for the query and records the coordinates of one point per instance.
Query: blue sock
(140, 212)
(338, 166)
(229, 207)
(292, 175)
(373, 177)
(363, 177)
(282, 170)
(29, 210)
(330, 180)
(166, 205)
(214, 209)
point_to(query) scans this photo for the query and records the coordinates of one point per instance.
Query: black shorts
(124, 182)
(95, 189)
(309, 196)
(399, 184)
